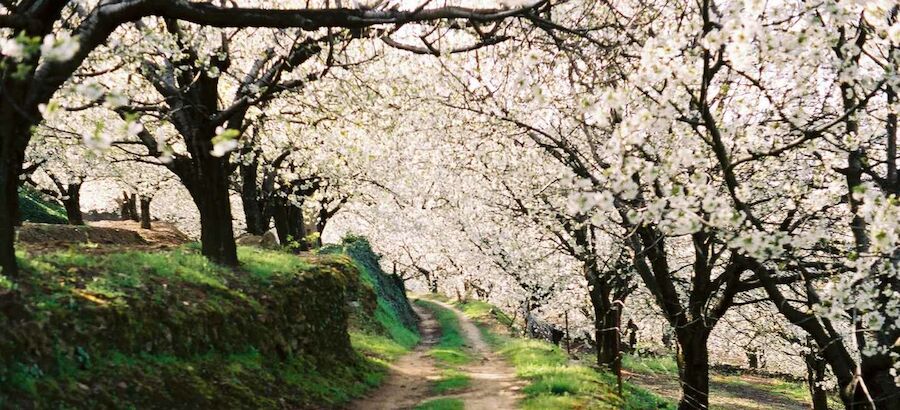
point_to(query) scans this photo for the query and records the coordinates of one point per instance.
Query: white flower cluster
(225, 141)
(61, 46)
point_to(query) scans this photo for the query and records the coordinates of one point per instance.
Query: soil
(115, 236)
(410, 378)
(493, 383)
(747, 395)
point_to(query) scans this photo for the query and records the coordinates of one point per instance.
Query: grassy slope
(36, 208)
(555, 382)
(382, 334)
(240, 377)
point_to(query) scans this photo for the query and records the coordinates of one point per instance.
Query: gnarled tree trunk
(606, 325)
(9, 208)
(128, 207)
(206, 179)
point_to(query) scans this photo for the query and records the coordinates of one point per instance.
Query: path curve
(494, 385)
(493, 382)
(410, 378)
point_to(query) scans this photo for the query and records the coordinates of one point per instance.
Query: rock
(249, 240)
(269, 240)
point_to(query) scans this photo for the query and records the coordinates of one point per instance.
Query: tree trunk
(432, 284)
(132, 208)
(289, 224)
(254, 208)
(9, 210)
(298, 226)
(279, 216)
(13, 140)
(123, 207)
(145, 212)
(815, 375)
(128, 208)
(322, 220)
(606, 320)
(606, 330)
(693, 369)
(207, 182)
(753, 358)
(72, 203)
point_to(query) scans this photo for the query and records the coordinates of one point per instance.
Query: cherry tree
(39, 56)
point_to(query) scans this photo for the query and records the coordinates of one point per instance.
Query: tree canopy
(719, 160)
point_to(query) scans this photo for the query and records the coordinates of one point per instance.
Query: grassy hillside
(171, 330)
(36, 207)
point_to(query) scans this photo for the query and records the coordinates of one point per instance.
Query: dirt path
(409, 382)
(493, 383)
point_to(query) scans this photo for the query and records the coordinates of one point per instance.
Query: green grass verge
(450, 348)
(451, 381)
(481, 311)
(650, 365)
(554, 381)
(379, 348)
(385, 334)
(441, 404)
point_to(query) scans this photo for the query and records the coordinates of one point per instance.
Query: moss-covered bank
(388, 288)
(37, 207)
(171, 330)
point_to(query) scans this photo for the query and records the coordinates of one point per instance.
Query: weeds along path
(411, 377)
(494, 385)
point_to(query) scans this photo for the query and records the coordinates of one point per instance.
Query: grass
(792, 390)
(387, 317)
(377, 347)
(265, 264)
(173, 290)
(666, 365)
(650, 365)
(441, 404)
(481, 311)
(392, 341)
(451, 381)
(554, 381)
(450, 348)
